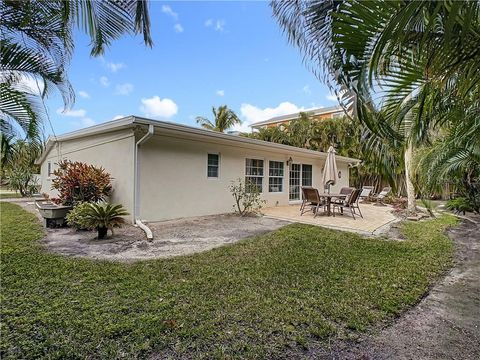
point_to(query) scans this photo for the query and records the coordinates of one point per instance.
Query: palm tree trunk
(411, 209)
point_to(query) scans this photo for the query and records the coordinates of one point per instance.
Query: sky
(205, 54)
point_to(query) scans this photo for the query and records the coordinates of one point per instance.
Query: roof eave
(131, 121)
(236, 138)
(92, 130)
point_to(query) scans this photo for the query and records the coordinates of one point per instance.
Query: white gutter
(136, 172)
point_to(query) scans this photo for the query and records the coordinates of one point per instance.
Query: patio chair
(350, 203)
(311, 200)
(343, 191)
(366, 192)
(382, 195)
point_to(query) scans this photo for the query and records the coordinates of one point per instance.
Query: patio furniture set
(347, 198)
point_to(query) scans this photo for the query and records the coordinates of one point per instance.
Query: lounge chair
(382, 195)
(366, 192)
(311, 200)
(350, 203)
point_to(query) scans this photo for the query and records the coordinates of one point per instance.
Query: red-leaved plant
(79, 182)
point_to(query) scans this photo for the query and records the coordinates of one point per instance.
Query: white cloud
(252, 114)
(220, 25)
(331, 97)
(114, 67)
(116, 117)
(104, 81)
(123, 89)
(178, 28)
(72, 113)
(217, 25)
(166, 9)
(157, 107)
(87, 122)
(83, 122)
(84, 94)
(306, 90)
(220, 92)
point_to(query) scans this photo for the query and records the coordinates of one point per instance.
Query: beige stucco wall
(174, 183)
(113, 151)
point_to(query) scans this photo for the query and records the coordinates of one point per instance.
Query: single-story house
(164, 170)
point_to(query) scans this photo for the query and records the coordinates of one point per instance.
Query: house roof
(184, 131)
(316, 111)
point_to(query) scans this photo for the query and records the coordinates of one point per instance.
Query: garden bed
(171, 238)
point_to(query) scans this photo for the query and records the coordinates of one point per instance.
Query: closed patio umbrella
(330, 174)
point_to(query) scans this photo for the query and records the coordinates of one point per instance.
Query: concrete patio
(376, 219)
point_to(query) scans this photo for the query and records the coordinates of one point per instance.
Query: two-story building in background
(317, 114)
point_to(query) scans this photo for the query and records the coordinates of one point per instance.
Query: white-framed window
(49, 169)
(213, 166)
(275, 176)
(254, 173)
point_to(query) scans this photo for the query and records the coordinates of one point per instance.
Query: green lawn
(256, 298)
(9, 195)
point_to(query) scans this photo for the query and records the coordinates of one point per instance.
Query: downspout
(136, 181)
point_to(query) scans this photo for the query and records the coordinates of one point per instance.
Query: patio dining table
(329, 197)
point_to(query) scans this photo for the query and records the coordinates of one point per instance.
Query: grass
(434, 203)
(257, 298)
(10, 195)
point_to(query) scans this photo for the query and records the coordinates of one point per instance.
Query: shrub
(21, 179)
(79, 182)
(76, 216)
(459, 205)
(247, 198)
(20, 169)
(103, 216)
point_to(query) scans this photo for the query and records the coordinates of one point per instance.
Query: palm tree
(273, 134)
(453, 159)
(37, 44)
(409, 59)
(224, 118)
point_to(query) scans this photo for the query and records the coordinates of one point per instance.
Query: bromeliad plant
(103, 216)
(79, 182)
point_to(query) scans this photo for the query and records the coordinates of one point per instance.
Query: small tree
(247, 197)
(20, 168)
(79, 182)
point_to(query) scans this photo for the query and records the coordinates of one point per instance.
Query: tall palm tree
(408, 58)
(37, 44)
(223, 119)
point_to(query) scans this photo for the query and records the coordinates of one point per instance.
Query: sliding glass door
(300, 175)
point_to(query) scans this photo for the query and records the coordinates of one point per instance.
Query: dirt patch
(444, 325)
(171, 238)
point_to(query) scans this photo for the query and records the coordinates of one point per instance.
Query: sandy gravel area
(171, 238)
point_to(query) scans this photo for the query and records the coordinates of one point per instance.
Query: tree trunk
(102, 232)
(411, 209)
